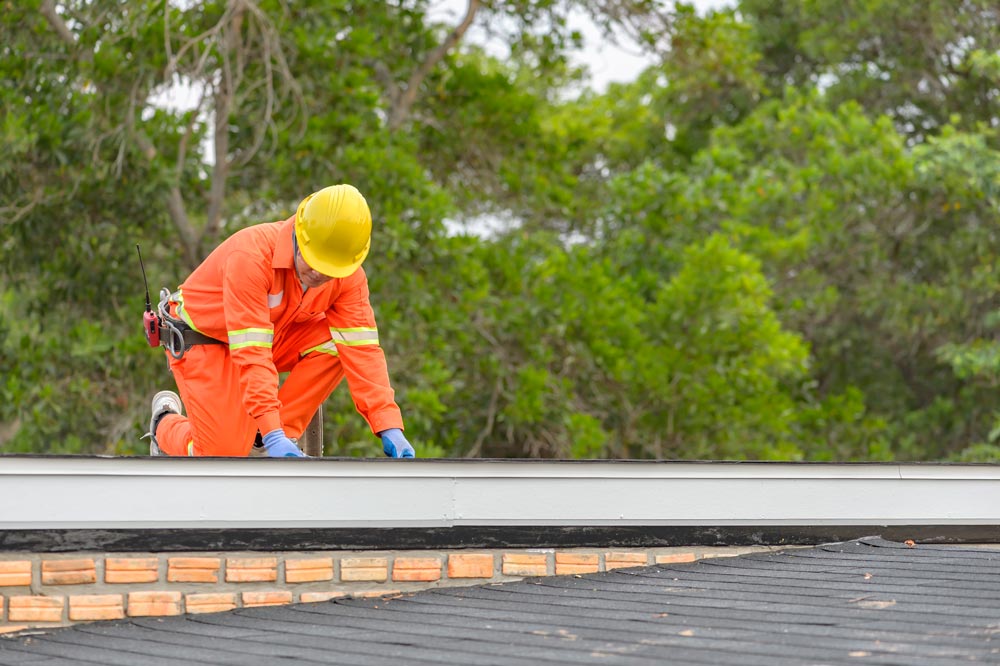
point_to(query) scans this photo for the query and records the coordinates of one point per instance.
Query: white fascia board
(101, 492)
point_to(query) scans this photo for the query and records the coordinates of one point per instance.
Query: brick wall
(46, 590)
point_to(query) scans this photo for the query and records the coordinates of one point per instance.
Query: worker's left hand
(394, 444)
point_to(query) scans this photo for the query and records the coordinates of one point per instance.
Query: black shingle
(865, 601)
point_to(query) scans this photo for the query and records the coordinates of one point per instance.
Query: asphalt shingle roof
(859, 602)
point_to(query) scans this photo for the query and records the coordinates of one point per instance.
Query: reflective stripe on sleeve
(353, 337)
(251, 337)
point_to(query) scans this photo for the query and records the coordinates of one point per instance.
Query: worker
(279, 297)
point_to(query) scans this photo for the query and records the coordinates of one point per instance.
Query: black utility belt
(193, 337)
(180, 337)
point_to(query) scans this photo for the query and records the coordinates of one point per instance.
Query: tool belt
(179, 337)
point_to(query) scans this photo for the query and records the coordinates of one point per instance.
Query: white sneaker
(164, 401)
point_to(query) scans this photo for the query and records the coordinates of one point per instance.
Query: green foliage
(719, 359)
(978, 453)
(711, 77)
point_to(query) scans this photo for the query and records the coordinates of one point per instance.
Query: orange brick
(364, 568)
(310, 597)
(15, 573)
(35, 609)
(416, 568)
(11, 628)
(251, 570)
(305, 571)
(675, 557)
(267, 598)
(193, 569)
(96, 607)
(154, 603)
(68, 572)
(577, 563)
(615, 560)
(525, 564)
(131, 570)
(210, 603)
(470, 565)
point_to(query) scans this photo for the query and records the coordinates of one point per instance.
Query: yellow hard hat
(334, 230)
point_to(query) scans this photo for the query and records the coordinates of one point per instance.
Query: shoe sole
(154, 448)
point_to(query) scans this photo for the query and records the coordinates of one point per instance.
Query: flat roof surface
(857, 602)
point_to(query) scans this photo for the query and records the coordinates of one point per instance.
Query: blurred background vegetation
(779, 241)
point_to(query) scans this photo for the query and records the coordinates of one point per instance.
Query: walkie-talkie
(150, 320)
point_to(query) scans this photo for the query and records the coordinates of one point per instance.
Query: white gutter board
(104, 492)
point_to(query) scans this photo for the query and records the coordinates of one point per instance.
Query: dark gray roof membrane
(867, 601)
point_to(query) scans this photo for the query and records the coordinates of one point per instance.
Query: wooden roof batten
(119, 503)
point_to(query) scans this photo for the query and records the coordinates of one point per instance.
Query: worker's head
(333, 228)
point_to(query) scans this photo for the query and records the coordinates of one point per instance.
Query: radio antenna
(149, 306)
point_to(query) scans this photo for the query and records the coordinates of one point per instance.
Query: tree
(918, 62)
(879, 254)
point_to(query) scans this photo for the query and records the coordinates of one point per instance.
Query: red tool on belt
(150, 320)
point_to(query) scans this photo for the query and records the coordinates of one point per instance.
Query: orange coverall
(247, 293)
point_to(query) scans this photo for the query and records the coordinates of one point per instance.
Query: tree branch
(19, 213)
(401, 110)
(477, 446)
(175, 206)
(188, 133)
(229, 81)
(48, 10)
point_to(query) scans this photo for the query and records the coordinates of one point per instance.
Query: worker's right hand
(278, 445)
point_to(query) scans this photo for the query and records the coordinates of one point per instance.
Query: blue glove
(279, 446)
(395, 445)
